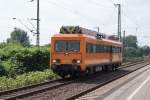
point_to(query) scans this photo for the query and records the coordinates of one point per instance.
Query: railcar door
(111, 54)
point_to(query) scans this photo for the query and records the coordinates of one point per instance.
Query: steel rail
(106, 82)
(38, 88)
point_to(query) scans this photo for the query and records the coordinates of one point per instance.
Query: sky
(86, 13)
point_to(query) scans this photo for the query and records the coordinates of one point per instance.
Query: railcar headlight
(54, 61)
(78, 61)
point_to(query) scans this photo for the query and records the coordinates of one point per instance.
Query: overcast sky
(86, 13)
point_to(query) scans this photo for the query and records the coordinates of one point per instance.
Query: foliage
(19, 35)
(2, 45)
(7, 67)
(2, 70)
(32, 59)
(146, 50)
(131, 41)
(8, 50)
(16, 59)
(133, 50)
(21, 66)
(130, 52)
(26, 79)
(47, 45)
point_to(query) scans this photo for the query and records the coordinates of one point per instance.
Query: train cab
(66, 53)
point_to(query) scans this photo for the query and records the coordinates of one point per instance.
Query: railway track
(52, 85)
(130, 64)
(33, 89)
(75, 90)
(107, 81)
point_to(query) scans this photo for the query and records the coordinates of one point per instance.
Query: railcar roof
(87, 36)
(68, 35)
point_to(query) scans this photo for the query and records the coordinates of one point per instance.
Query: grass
(26, 79)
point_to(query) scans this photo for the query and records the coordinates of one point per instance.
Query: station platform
(126, 88)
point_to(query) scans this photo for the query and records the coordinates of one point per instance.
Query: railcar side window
(102, 48)
(98, 48)
(89, 48)
(116, 49)
(113, 50)
(105, 48)
(108, 49)
(119, 49)
(94, 48)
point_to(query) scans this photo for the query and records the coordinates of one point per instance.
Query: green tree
(139, 52)
(146, 50)
(19, 35)
(130, 52)
(131, 41)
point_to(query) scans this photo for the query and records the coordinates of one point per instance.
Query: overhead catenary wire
(99, 4)
(79, 13)
(76, 12)
(129, 18)
(67, 8)
(112, 1)
(136, 27)
(132, 20)
(110, 16)
(135, 23)
(19, 20)
(31, 23)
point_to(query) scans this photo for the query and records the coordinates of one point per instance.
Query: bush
(32, 60)
(8, 68)
(7, 51)
(18, 60)
(2, 70)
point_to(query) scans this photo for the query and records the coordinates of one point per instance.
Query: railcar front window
(60, 46)
(73, 46)
(66, 46)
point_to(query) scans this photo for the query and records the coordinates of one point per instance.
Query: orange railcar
(72, 54)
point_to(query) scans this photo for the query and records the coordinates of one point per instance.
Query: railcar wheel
(94, 69)
(104, 68)
(113, 68)
(63, 75)
(75, 75)
(91, 70)
(87, 71)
